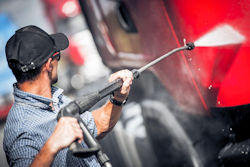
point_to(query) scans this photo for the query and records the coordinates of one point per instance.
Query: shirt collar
(36, 100)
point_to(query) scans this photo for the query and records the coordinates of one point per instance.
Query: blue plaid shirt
(30, 123)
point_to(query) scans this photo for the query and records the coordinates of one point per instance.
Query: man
(32, 135)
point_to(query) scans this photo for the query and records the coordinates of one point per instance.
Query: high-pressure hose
(188, 46)
(82, 104)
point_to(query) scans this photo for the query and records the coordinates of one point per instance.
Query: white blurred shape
(219, 36)
(70, 8)
(93, 67)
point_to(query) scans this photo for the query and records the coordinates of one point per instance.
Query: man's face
(54, 63)
(54, 76)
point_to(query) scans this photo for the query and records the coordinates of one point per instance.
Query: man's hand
(66, 132)
(127, 77)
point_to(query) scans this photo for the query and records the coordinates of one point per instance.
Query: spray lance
(82, 104)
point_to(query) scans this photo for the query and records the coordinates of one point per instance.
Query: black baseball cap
(32, 47)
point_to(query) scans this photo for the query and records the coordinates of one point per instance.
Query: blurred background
(80, 64)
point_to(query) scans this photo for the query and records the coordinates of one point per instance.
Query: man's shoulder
(18, 114)
(21, 116)
(20, 110)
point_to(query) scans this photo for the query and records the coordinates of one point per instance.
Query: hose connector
(190, 46)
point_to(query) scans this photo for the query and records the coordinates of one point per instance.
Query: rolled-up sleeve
(23, 150)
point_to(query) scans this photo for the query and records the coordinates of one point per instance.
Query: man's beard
(54, 80)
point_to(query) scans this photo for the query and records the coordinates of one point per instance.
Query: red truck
(190, 109)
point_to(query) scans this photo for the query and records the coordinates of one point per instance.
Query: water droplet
(218, 102)
(210, 87)
(190, 59)
(199, 69)
(184, 41)
(246, 152)
(242, 152)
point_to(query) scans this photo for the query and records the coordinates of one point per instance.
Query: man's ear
(48, 65)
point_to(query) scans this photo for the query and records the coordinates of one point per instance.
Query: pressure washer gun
(82, 104)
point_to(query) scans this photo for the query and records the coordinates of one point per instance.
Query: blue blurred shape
(7, 29)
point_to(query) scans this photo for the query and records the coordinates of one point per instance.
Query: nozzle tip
(190, 46)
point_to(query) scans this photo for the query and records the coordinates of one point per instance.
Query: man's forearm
(45, 157)
(66, 131)
(106, 117)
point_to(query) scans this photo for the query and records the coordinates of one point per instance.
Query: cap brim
(61, 41)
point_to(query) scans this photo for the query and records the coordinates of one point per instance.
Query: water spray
(82, 104)
(220, 36)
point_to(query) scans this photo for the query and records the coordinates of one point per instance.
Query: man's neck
(38, 87)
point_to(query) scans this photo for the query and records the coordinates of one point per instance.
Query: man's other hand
(127, 78)
(66, 132)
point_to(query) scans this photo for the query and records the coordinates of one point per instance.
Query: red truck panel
(205, 77)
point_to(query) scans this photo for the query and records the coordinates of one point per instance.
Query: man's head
(30, 48)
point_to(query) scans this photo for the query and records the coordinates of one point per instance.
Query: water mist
(220, 36)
